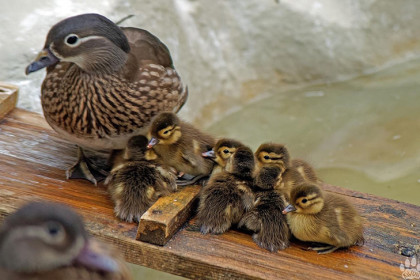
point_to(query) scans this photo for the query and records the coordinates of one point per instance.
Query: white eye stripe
(80, 40)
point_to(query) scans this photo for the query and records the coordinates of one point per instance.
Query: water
(362, 134)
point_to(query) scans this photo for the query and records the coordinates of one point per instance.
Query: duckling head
(305, 199)
(136, 147)
(91, 41)
(241, 163)
(165, 129)
(44, 236)
(223, 150)
(273, 154)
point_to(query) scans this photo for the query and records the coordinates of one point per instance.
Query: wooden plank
(167, 215)
(32, 164)
(8, 98)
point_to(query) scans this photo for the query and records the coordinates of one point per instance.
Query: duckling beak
(209, 154)
(152, 142)
(45, 58)
(95, 257)
(289, 208)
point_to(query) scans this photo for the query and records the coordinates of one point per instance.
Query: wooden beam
(167, 215)
(8, 98)
(32, 163)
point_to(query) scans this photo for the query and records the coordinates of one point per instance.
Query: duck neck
(109, 61)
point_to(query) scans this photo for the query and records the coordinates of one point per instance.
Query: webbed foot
(187, 180)
(86, 169)
(324, 249)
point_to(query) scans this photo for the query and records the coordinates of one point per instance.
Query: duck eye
(304, 200)
(266, 157)
(71, 39)
(53, 228)
(166, 132)
(226, 151)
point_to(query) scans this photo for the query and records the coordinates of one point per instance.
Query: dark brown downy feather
(135, 183)
(228, 194)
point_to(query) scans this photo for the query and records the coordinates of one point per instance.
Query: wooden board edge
(8, 98)
(158, 230)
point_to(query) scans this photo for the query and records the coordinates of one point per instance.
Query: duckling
(44, 240)
(265, 218)
(305, 170)
(104, 83)
(273, 154)
(277, 155)
(135, 183)
(228, 194)
(268, 177)
(266, 221)
(324, 218)
(221, 152)
(178, 144)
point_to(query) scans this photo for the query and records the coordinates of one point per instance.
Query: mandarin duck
(104, 84)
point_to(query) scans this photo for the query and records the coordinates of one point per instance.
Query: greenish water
(145, 273)
(362, 134)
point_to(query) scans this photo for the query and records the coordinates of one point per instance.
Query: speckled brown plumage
(48, 241)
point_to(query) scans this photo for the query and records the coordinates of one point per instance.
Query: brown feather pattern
(105, 105)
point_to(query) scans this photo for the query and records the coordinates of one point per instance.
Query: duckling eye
(304, 200)
(226, 151)
(53, 228)
(71, 39)
(166, 132)
(266, 157)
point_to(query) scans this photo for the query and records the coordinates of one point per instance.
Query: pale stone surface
(232, 51)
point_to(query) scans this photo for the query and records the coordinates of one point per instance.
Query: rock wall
(230, 52)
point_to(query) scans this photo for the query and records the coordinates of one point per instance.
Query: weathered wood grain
(8, 98)
(161, 221)
(32, 164)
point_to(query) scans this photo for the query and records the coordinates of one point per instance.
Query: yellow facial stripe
(168, 131)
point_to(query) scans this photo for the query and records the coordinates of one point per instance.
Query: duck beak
(152, 142)
(289, 208)
(95, 257)
(45, 58)
(209, 154)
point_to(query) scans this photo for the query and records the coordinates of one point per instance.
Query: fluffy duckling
(179, 145)
(228, 194)
(277, 155)
(221, 152)
(305, 170)
(135, 183)
(273, 154)
(268, 177)
(265, 219)
(324, 218)
(49, 241)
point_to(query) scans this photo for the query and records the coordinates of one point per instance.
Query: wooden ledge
(8, 98)
(33, 160)
(167, 215)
